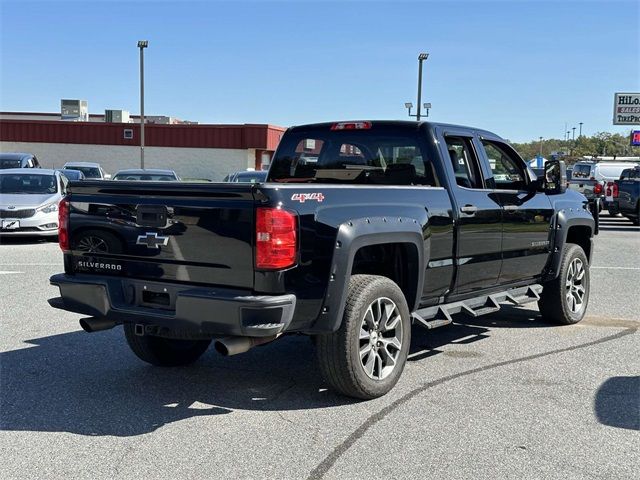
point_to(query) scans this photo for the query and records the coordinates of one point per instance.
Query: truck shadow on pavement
(617, 403)
(91, 384)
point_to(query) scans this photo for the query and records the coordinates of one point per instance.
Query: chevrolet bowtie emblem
(152, 240)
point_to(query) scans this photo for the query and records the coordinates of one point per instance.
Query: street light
(421, 58)
(540, 151)
(142, 44)
(580, 134)
(573, 135)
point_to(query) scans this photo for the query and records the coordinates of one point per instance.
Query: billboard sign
(635, 138)
(626, 109)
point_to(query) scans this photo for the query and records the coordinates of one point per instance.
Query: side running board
(440, 315)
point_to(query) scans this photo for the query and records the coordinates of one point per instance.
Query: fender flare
(562, 224)
(355, 234)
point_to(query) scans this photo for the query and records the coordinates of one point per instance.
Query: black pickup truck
(361, 230)
(625, 194)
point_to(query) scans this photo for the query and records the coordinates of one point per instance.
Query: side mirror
(555, 177)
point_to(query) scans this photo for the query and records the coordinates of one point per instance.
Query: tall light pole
(142, 44)
(421, 58)
(540, 150)
(580, 134)
(573, 135)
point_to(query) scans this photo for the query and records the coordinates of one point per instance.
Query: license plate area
(161, 299)
(10, 224)
(150, 295)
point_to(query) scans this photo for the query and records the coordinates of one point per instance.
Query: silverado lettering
(102, 266)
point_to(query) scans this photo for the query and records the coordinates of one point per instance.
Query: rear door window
(464, 162)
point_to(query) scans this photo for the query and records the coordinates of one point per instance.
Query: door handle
(510, 208)
(469, 209)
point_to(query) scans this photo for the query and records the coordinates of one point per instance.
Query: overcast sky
(521, 69)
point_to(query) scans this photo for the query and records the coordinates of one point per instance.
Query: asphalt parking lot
(502, 396)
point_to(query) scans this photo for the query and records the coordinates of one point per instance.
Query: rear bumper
(209, 311)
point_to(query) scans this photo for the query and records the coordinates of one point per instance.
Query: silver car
(91, 170)
(29, 201)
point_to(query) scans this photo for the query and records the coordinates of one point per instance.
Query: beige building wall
(211, 163)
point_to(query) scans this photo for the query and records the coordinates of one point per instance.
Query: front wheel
(164, 352)
(564, 299)
(365, 357)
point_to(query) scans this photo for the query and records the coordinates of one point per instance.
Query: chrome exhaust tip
(93, 324)
(234, 345)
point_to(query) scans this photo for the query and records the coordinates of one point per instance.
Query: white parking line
(7, 272)
(617, 268)
(31, 264)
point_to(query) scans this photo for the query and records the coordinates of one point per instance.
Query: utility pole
(540, 151)
(573, 135)
(142, 44)
(580, 134)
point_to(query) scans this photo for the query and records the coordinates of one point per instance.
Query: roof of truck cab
(395, 123)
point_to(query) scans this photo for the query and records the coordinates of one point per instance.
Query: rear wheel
(564, 300)
(365, 357)
(164, 352)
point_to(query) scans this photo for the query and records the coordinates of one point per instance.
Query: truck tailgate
(166, 231)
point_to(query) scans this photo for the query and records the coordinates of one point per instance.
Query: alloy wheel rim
(380, 339)
(92, 244)
(575, 285)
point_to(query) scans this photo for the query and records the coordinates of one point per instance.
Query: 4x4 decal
(303, 197)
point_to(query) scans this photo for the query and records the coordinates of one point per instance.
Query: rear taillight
(597, 189)
(63, 224)
(276, 238)
(615, 191)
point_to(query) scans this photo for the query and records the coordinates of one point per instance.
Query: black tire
(613, 212)
(636, 219)
(164, 352)
(556, 304)
(101, 240)
(339, 353)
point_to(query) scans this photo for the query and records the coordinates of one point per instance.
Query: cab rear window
(370, 156)
(581, 171)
